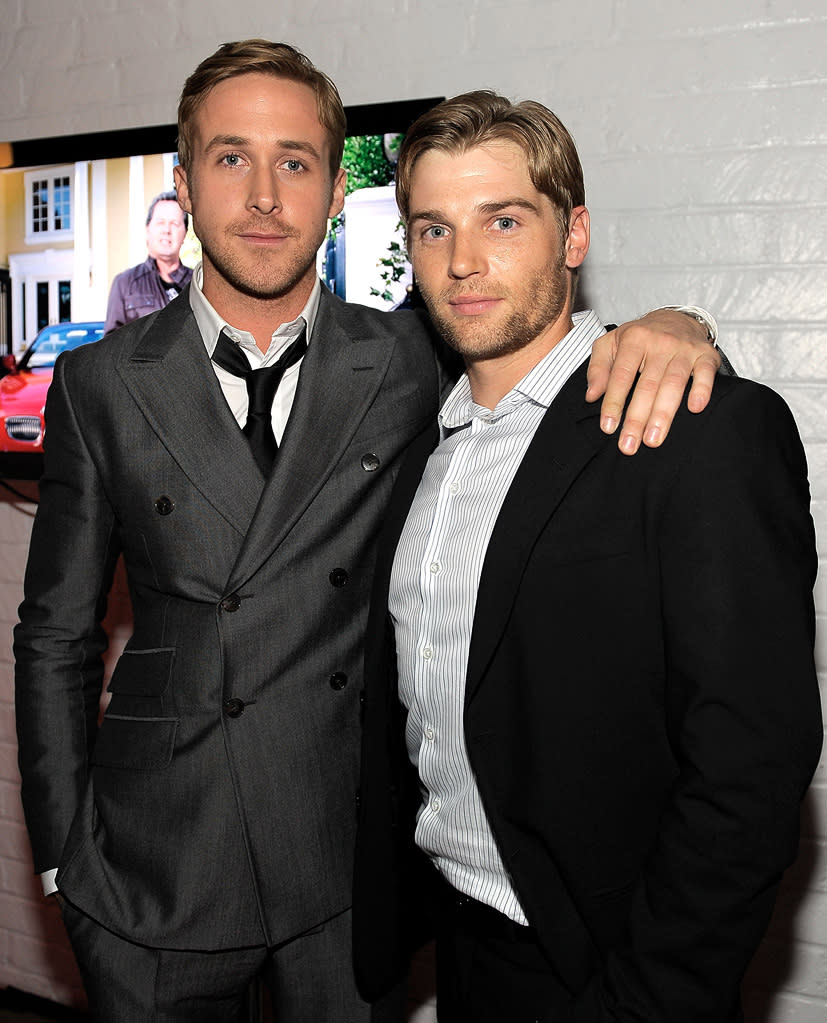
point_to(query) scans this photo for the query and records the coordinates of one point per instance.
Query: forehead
(259, 107)
(167, 209)
(493, 170)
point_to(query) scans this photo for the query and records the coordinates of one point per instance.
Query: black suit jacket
(641, 706)
(215, 804)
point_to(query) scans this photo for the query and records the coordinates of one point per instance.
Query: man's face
(165, 232)
(259, 188)
(487, 253)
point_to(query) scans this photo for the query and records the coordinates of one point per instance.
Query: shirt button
(429, 733)
(338, 680)
(164, 505)
(435, 568)
(436, 805)
(338, 577)
(427, 653)
(231, 603)
(234, 708)
(370, 461)
(453, 488)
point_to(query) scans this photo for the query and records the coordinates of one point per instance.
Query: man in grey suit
(203, 829)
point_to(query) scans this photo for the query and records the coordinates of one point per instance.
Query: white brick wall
(703, 135)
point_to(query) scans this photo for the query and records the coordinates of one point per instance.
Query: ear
(337, 200)
(182, 189)
(577, 242)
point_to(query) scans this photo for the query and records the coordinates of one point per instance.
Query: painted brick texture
(703, 135)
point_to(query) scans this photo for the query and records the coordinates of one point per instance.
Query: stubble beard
(478, 339)
(268, 278)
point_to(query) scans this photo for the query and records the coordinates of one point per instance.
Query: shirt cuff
(47, 879)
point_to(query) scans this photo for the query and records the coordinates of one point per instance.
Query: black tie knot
(262, 385)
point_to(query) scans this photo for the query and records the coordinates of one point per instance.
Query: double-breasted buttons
(370, 461)
(338, 680)
(234, 707)
(164, 505)
(338, 577)
(231, 603)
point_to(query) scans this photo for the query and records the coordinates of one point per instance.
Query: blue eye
(232, 159)
(435, 231)
(294, 165)
(506, 223)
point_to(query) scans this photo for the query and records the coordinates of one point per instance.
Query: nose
(466, 257)
(263, 195)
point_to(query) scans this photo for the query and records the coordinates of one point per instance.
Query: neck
(167, 265)
(492, 379)
(258, 316)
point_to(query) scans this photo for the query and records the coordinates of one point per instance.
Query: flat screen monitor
(73, 215)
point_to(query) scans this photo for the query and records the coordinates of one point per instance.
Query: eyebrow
(486, 208)
(293, 145)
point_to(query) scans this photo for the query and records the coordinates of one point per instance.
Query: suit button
(338, 680)
(234, 708)
(338, 577)
(164, 505)
(231, 603)
(370, 462)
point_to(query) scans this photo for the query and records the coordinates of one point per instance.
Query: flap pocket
(142, 672)
(140, 744)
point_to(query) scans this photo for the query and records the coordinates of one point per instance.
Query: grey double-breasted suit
(214, 806)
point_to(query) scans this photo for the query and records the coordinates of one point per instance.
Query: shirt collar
(211, 324)
(540, 385)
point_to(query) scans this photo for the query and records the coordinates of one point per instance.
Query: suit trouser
(310, 978)
(490, 969)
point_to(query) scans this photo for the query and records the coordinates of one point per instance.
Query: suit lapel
(340, 376)
(170, 377)
(566, 440)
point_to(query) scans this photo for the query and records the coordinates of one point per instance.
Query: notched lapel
(172, 381)
(566, 440)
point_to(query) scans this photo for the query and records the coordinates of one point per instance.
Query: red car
(23, 389)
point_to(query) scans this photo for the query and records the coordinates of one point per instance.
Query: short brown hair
(260, 56)
(480, 118)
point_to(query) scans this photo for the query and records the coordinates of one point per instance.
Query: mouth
(263, 237)
(473, 305)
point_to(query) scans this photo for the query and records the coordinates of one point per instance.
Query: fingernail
(652, 437)
(608, 425)
(628, 444)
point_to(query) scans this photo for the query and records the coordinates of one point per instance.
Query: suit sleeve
(59, 640)
(737, 561)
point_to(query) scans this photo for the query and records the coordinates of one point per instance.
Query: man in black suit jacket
(605, 665)
(204, 829)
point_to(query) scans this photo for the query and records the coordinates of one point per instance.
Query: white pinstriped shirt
(432, 599)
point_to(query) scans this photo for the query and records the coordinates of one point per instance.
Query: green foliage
(394, 266)
(365, 162)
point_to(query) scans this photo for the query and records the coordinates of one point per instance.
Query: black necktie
(261, 390)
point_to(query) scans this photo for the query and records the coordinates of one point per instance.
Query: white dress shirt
(432, 600)
(235, 389)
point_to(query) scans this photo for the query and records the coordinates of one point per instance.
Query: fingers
(666, 350)
(600, 366)
(654, 402)
(703, 380)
